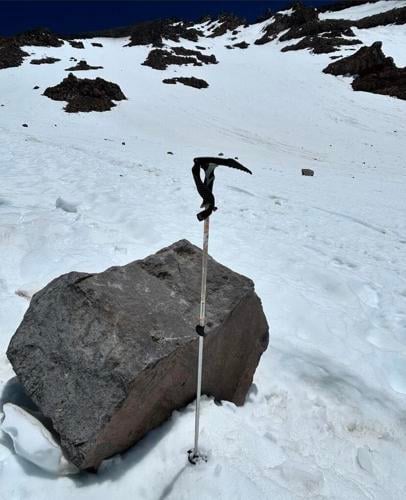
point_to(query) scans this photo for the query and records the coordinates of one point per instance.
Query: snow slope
(325, 416)
(364, 10)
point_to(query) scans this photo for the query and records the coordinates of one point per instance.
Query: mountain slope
(325, 417)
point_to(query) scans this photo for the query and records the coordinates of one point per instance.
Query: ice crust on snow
(326, 416)
(33, 441)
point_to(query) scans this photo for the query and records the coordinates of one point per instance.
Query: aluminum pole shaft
(202, 320)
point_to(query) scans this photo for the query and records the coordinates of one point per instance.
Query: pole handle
(205, 188)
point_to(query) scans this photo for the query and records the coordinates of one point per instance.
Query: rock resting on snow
(107, 357)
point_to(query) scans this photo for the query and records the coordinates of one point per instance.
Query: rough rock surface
(196, 83)
(307, 172)
(301, 16)
(45, 60)
(242, 45)
(38, 37)
(107, 357)
(97, 44)
(85, 94)
(304, 22)
(76, 45)
(160, 59)
(373, 71)
(11, 56)
(394, 16)
(320, 45)
(152, 32)
(227, 22)
(365, 60)
(206, 59)
(83, 66)
(390, 81)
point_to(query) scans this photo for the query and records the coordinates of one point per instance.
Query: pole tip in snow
(196, 457)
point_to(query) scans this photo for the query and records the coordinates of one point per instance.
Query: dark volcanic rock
(394, 16)
(85, 94)
(228, 22)
(38, 37)
(301, 16)
(242, 45)
(181, 51)
(152, 32)
(196, 83)
(337, 26)
(76, 45)
(390, 81)
(373, 71)
(320, 45)
(45, 60)
(107, 357)
(11, 56)
(83, 66)
(161, 59)
(343, 4)
(338, 33)
(97, 44)
(365, 60)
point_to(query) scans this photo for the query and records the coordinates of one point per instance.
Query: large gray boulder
(107, 357)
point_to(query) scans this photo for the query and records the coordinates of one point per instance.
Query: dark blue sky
(74, 16)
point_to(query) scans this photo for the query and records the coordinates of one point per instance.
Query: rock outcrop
(11, 56)
(45, 60)
(83, 66)
(40, 37)
(321, 44)
(373, 71)
(365, 60)
(197, 83)
(107, 357)
(162, 58)
(300, 16)
(76, 44)
(153, 32)
(226, 22)
(85, 94)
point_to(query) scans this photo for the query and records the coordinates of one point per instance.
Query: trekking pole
(205, 189)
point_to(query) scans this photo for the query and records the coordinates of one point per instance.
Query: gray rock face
(107, 357)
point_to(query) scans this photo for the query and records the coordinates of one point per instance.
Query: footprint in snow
(239, 190)
(364, 459)
(343, 262)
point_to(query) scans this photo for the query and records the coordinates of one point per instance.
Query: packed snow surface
(364, 10)
(325, 417)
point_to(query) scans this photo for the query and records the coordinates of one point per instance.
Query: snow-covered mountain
(83, 191)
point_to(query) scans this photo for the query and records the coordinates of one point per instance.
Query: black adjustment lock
(200, 331)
